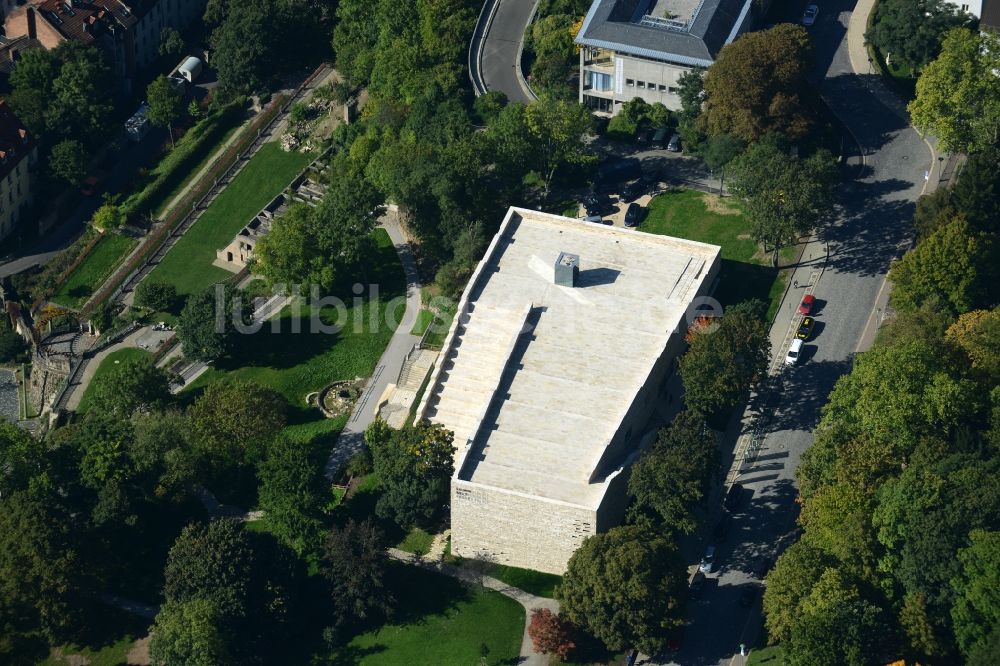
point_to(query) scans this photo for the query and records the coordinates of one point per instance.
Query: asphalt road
(869, 226)
(500, 49)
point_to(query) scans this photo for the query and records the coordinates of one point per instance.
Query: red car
(807, 304)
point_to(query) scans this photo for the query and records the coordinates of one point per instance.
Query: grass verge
(112, 359)
(768, 656)
(533, 582)
(188, 265)
(744, 274)
(95, 269)
(440, 621)
(417, 541)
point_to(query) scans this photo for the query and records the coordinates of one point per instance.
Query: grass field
(745, 273)
(95, 269)
(188, 265)
(110, 634)
(416, 541)
(440, 622)
(104, 368)
(534, 582)
(205, 154)
(295, 364)
(768, 656)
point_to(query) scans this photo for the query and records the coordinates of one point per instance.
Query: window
(640, 84)
(630, 82)
(671, 89)
(662, 87)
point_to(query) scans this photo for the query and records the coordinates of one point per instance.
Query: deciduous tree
(207, 323)
(291, 495)
(189, 633)
(551, 634)
(234, 421)
(157, 296)
(911, 32)
(130, 386)
(69, 161)
(354, 565)
(165, 103)
(840, 634)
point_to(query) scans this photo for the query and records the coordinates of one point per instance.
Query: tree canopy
(130, 386)
(354, 564)
(910, 32)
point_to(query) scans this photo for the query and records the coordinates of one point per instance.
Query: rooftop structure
(566, 335)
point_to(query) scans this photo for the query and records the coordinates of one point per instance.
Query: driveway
(869, 226)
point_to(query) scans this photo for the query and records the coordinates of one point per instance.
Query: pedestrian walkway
(351, 439)
(530, 602)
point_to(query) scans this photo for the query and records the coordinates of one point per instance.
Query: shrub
(550, 633)
(157, 296)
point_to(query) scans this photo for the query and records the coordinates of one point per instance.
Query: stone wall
(48, 371)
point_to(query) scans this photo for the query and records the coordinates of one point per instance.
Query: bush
(157, 296)
(620, 128)
(550, 633)
(12, 346)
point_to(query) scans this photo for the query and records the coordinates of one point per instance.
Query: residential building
(640, 48)
(18, 156)
(567, 336)
(128, 32)
(974, 7)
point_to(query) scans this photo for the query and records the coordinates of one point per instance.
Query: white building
(640, 48)
(18, 161)
(567, 336)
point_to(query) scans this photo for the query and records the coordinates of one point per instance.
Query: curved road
(499, 51)
(870, 225)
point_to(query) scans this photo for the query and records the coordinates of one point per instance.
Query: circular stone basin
(338, 398)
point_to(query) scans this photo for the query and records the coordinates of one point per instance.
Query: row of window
(632, 83)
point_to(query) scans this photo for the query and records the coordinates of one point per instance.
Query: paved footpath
(351, 439)
(530, 602)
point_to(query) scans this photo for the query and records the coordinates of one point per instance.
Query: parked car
(633, 215)
(794, 352)
(697, 585)
(597, 219)
(805, 328)
(644, 135)
(808, 302)
(632, 191)
(809, 17)
(748, 596)
(660, 136)
(615, 171)
(708, 561)
(674, 145)
(734, 497)
(722, 528)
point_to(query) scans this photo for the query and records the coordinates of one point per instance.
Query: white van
(794, 351)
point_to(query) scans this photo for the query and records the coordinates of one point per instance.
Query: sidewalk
(530, 602)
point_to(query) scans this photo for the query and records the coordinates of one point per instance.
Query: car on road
(596, 219)
(722, 528)
(805, 328)
(809, 16)
(632, 191)
(697, 585)
(633, 215)
(807, 304)
(594, 204)
(674, 145)
(794, 352)
(707, 564)
(748, 596)
(734, 497)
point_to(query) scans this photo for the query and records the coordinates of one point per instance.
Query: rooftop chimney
(566, 269)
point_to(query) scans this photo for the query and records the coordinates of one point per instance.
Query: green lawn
(94, 270)
(533, 582)
(115, 357)
(295, 364)
(439, 328)
(768, 656)
(188, 265)
(417, 541)
(111, 633)
(424, 319)
(441, 622)
(744, 274)
(207, 151)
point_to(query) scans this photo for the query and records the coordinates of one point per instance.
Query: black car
(631, 192)
(734, 497)
(697, 585)
(633, 215)
(748, 596)
(722, 529)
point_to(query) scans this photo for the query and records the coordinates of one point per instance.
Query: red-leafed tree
(550, 633)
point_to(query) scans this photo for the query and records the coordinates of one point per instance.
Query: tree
(172, 43)
(790, 582)
(911, 32)
(69, 161)
(109, 216)
(976, 194)
(161, 448)
(932, 211)
(626, 587)
(785, 196)
(957, 97)
(12, 346)
(757, 85)
(23, 458)
(31, 86)
(130, 386)
(557, 129)
(414, 466)
(80, 103)
(550, 633)
(157, 296)
(188, 633)
(725, 359)
(489, 105)
(952, 266)
(354, 565)
(840, 634)
(691, 90)
(719, 150)
(977, 335)
(976, 612)
(203, 326)
(165, 103)
(234, 421)
(674, 476)
(291, 495)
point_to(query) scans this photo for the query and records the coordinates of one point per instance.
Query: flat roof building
(640, 48)
(566, 336)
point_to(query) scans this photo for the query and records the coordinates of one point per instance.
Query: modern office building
(640, 48)
(567, 335)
